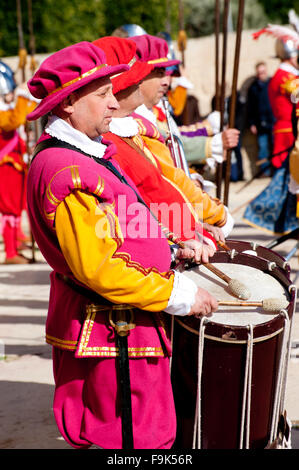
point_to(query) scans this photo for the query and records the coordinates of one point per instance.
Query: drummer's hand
(215, 231)
(205, 304)
(196, 250)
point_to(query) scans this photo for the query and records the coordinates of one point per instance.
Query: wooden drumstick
(237, 288)
(269, 305)
(224, 246)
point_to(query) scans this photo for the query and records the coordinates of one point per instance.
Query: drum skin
(223, 366)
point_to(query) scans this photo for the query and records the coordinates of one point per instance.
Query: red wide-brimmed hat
(123, 51)
(66, 71)
(154, 51)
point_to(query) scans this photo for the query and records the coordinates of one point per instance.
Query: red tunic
(163, 197)
(13, 177)
(281, 86)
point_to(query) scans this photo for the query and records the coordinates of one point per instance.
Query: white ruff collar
(289, 68)
(57, 127)
(124, 127)
(147, 114)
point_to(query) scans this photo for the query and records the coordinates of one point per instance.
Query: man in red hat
(155, 174)
(199, 147)
(112, 275)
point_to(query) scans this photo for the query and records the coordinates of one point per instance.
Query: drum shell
(222, 389)
(268, 255)
(223, 366)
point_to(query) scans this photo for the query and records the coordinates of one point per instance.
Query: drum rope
(280, 378)
(249, 385)
(284, 361)
(195, 423)
(247, 390)
(197, 418)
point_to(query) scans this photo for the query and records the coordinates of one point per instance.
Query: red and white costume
(13, 172)
(281, 87)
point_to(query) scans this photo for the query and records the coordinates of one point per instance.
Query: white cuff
(214, 120)
(211, 163)
(197, 176)
(207, 185)
(217, 147)
(227, 228)
(182, 296)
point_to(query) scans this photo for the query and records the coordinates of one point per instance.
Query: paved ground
(26, 386)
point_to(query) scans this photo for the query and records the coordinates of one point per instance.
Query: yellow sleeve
(290, 85)
(13, 118)
(89, 234)
(177, 99)
(209, 210)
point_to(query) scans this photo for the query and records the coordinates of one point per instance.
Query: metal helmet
(285, 49)
(287, 40)
(7, 81)
(129, 30)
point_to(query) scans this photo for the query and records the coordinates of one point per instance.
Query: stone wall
(200, 63)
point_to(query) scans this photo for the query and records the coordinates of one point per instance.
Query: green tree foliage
(8, 29)
(151, 15)
(59, 23)
(199, 16)
(56, 24)
(69, 22)
(277, 10)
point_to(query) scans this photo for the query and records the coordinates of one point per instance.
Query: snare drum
(229, 370)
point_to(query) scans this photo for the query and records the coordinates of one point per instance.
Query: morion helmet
(287, 40)
(285, 49)
(7, 81)
(128, 31)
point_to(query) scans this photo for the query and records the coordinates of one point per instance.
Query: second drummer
(173, 197)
